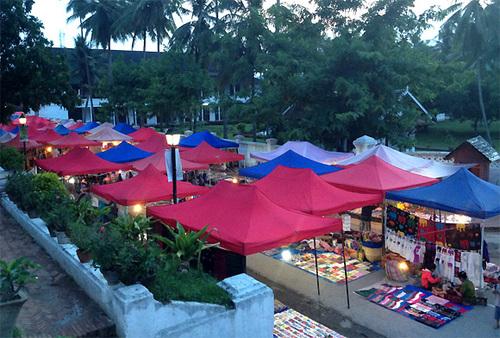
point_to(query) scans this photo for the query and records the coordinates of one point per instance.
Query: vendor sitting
(467, 289)
(428, 281)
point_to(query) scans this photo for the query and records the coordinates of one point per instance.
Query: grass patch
(193, 285)
(447, 135)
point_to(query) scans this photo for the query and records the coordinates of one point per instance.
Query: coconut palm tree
(97, 19)
(85, 68)
(471, 34)
(148, 17)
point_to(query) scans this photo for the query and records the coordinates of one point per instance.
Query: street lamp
(23, 137)
(173, 142)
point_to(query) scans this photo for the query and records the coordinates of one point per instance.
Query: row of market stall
(299, 194)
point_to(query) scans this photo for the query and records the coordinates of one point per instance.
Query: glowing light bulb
(49, 149)
(71, 180)
(286, 255)
(234, 180)
(403, 266)
(137, 208)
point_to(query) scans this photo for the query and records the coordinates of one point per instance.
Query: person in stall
(428, 280)
(467, 289)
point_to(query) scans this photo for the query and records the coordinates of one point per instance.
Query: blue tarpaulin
(124, 152)
(62, 130)
(85, 128)
(289, 159)
(205, 136)
(462, 193)
(14, 130)
(124, 128)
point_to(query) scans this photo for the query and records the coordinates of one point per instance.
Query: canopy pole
(345, 271)
(384, 224)
(316, 264)
(481, 280)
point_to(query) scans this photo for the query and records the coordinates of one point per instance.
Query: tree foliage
(30, 74)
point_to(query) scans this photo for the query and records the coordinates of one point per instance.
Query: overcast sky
(53, 15)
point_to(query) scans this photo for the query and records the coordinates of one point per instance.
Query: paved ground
(56, 305)
(330, 307)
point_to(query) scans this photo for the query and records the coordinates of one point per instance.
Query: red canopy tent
(73, 140)
(303, 190)
(142, 134)
(35, 121)
(244, 220)
(376, 175)
(30, 144)
(156, 142)
(158, 161)
(205, 153)
(45, 136)
(80, 161)
(149, 186)
(77, 125)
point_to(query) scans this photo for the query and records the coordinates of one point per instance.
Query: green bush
(60, 215)
(14, 275)
(20, 190)
(11, 159)
(193, 285)
(49, 193)
(81, 234)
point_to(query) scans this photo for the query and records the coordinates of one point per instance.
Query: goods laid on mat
(290, 323)
(330, 265)
(415, 303)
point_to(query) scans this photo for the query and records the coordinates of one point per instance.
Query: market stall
(85, 128)
(198, 138)
(124, 128)
(73, 140)
(413, 164)
(149, 186)
(289, 159)
(158, 161)
(142, 134)
(446, 225)
(305, 149)
(124, 152)
(376, 175)
(156, 142)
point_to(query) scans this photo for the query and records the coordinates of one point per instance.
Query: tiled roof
(481, 145)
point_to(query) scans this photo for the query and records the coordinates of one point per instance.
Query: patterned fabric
(290, 323)
(417, 304)
(330, 265)
(401, 221)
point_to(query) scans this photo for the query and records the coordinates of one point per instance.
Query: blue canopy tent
(205, 136)
(62, 130)
(461, 193)
(85, 128)
(14, 130)
(289, 159)
(124, 128)
(124, 152)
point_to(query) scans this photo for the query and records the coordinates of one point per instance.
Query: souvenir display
(290, 323)
(415, 303)
(330, 264)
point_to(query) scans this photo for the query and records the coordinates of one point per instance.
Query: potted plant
(14, 275)
(104, 250)
(60, 215)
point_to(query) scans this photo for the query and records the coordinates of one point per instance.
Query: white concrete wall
(137, 314)
(248, 147)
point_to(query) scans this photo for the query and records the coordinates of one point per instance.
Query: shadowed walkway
(56, 305)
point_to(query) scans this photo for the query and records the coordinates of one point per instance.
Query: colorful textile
(417, 304)
(401, 221)
(330, 265)
(290, 323)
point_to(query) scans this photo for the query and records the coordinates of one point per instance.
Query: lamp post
(23, 137)
(173, 142)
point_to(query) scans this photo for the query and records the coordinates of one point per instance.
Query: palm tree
(148, 17)
(471, 34)
(98, 18)
(85, 68)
